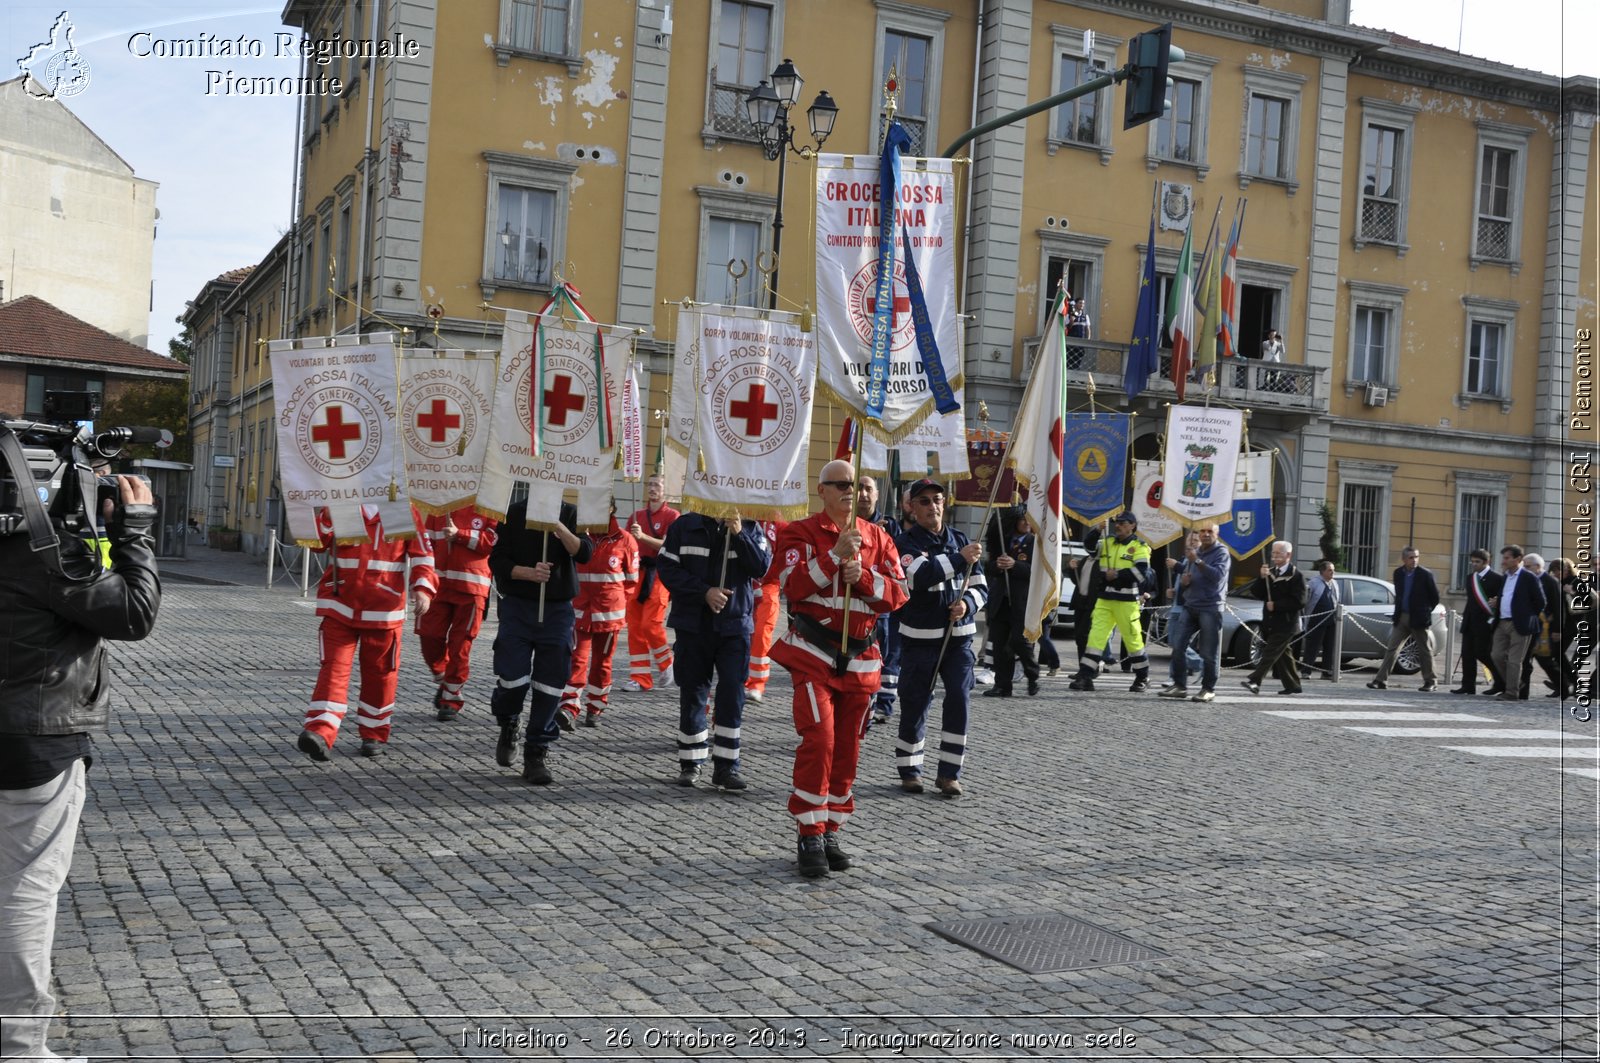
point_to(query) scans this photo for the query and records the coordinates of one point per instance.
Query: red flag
(846, 449)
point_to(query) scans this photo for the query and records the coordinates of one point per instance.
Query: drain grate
(1041, 944)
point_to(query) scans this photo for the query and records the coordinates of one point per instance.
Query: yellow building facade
(1416, 223)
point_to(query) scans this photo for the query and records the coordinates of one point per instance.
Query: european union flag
(1143, 356)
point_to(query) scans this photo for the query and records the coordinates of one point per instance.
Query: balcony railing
(1242, 381)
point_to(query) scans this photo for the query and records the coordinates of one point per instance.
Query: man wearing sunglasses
(947, 589)
(827, 561)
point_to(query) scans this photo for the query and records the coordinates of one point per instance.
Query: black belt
(823, 639)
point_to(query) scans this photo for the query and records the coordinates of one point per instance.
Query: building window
(1385, 173)
(308, 258)
(745, 38)
(1178, 131)
(525, 237)
(732, 247)
(1369, 348)
(1272, 127)
(1477, 528)
(323, 277)
(369, 240)
(1361, 528)
(40, 385)
(1376, 311)
(1484, 358)
(1491, 330)
(1075, 261)
(1497, 221)
(910, 42)
(1266, 140)
(539, 27)
(908, 56)
(526, 221)
(345, 270)
(1085, 122)
(734, 230)
(1078, 121)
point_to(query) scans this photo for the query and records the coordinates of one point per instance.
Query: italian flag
(1180, 314)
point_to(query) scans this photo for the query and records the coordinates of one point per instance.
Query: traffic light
(1146, 91)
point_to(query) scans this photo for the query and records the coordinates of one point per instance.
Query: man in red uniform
(767, 591)
(461, 542)
(362, 601)
(822, 559)
(606, 583)
(647, 610)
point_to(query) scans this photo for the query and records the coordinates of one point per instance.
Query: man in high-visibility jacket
(1123, 561)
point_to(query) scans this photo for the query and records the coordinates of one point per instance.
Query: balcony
(1265, 386)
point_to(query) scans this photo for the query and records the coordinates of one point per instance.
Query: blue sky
(225, 163)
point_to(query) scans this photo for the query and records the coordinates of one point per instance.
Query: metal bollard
(1337, 664)
(1451, 619)
(272, 553)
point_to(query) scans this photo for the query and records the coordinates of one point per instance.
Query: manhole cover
(1041, 944)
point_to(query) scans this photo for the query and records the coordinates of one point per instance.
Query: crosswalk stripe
(1358, 714)
(1302, 699)
(1468, 732)
(1562, 752)
(1587, 773)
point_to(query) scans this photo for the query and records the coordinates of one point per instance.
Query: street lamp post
(768, 107)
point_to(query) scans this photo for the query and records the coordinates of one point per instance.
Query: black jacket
(52, 653)
(699, 554)
(1424, 596)
(1287, 593)
(519, 544)
(1527, 602)
(1474, 615)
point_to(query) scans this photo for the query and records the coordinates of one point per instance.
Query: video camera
(60, 458)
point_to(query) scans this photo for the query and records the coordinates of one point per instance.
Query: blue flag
(1143, 356)
(1251, 526)
(894, 142)
(1094, 469)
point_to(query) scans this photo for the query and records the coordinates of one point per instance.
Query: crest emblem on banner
(339, 432)
(436, 417)
(569, 408)
(1092, 464)
(1244, 520)
(861, 298)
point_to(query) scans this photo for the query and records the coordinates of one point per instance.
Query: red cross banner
(848, 215)
(337, 447)
(446, 398)
(633, 421)
(571, 402)
(756, 387)
(936, 448)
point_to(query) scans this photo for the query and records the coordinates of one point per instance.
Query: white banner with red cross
(446, 398)
(553, 428)
(337, 446)
(754, 393)
(848, 213)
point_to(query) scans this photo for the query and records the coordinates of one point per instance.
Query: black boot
(813, 856)
(838, 859)
(507, 744)
(534, 771)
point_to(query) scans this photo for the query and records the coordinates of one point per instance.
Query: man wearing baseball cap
(947, 589)
(1124, 565)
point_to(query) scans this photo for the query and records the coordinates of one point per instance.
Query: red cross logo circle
(565, 398)
(755, 404)
(440, 418)
(340, 432)
(861, 298)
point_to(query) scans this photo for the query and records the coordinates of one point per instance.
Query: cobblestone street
(1315, 890)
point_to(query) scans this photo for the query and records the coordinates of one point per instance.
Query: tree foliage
(156, 405)
(1329, 540)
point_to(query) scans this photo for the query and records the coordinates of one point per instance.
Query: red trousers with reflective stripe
(766, 620)
(591, 665)
(447, 630)
(830, 715)
(647, 635)
(380, 674)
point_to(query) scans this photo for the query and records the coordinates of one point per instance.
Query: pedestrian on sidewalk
(1477, 625)
(1282, 590)
(535, 575)
(1415, 596)
(707, 565)
(362, 601)
(1321, 620)
(461, 542)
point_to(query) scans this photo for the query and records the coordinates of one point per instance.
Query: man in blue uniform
(947, 589)
(707, 565)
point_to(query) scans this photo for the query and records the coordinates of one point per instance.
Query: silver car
(1368, 608)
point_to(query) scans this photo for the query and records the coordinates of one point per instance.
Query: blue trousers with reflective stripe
(532, 655)
(889, 644)
(695, 656)
(917, 659)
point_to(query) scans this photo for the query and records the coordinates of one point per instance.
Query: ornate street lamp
(767, 107)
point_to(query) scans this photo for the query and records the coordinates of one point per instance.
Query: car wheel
(1246, 648)
(1409, 660)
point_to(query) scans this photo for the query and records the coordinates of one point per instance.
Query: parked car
(1369, 605)
(1069, 584)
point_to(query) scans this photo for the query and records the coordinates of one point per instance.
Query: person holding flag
(461, 542)
(830, 655)
(647, 611)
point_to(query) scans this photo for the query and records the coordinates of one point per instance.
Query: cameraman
(53, 692)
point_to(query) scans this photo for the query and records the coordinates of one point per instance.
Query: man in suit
(1415, 595)
(1477, 626)
(1322, 620)
(1282, 590)
(1516, 618)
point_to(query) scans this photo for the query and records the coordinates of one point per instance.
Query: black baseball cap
(923, 486)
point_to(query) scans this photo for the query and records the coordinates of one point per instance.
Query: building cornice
(1404, 436)
(181, 372)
